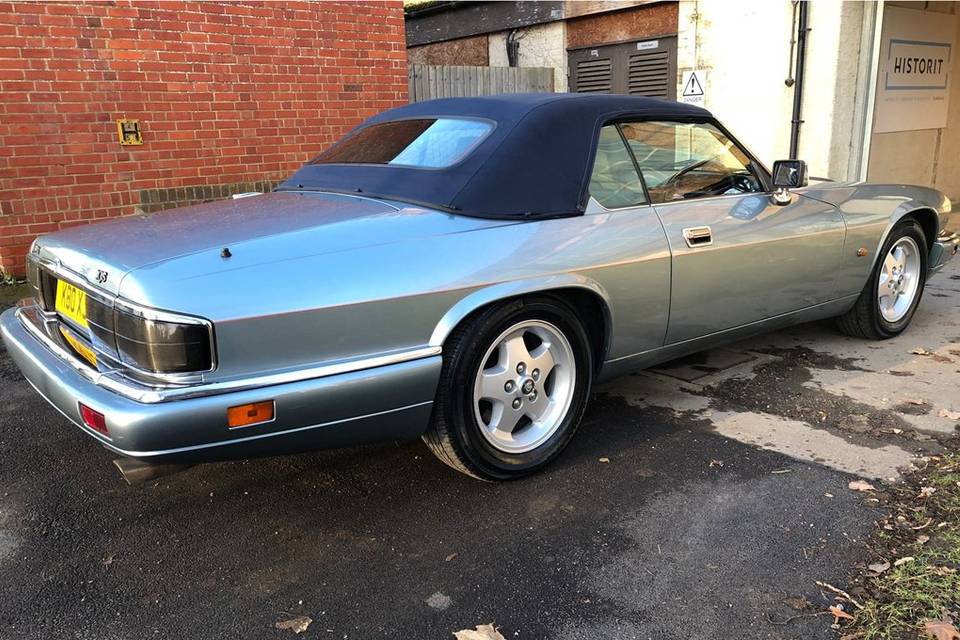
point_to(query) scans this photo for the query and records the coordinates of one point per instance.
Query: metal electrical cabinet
(641, 68)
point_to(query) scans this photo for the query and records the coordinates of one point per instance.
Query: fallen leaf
(923, 539)
(604, 460)
(839, 613)
(450, 557)
(879, 567)
(482, 632)
(916, 401)
(297, 625)
(920, 351)
(716, 463)
(861, 485)
(942, 629)
(949, 415)
(902, 561)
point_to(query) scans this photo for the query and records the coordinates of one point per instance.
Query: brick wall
(229, 96)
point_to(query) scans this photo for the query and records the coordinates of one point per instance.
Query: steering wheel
(676, 177)
(739, 181)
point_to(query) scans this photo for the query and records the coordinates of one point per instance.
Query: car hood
(254, 230)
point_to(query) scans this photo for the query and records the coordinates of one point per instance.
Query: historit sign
(916, 61)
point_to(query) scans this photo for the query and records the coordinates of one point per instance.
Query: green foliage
(924, 525)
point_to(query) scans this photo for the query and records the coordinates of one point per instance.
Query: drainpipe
(796, 121)
(869, 103)
(513, 48)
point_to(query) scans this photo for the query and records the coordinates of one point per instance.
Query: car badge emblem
(102, 276)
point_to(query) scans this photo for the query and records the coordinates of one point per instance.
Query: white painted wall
(542, 45)
(745, 49)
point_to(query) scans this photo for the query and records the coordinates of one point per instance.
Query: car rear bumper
(944, 248)
(381, 403)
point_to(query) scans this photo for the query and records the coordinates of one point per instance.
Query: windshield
(430, 143)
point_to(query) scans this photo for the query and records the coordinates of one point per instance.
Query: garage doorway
(640, 68)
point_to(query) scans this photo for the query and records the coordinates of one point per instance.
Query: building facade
(111, 109)
(860, 116)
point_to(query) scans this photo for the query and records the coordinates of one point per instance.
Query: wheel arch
(586, 296)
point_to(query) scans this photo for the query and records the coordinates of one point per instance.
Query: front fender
(871, 211)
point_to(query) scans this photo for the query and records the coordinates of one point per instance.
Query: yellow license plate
(85, 351)
(72, 303)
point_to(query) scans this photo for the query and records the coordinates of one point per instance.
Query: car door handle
(698, 237)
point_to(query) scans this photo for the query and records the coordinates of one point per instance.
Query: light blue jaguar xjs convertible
(461, 270)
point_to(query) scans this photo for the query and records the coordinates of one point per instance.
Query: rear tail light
(149, 344)
(161, 346)
(94, 419)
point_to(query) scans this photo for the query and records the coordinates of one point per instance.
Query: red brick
(216, 86)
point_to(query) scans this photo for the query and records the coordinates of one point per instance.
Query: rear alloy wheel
(513, 390)
(890, 298)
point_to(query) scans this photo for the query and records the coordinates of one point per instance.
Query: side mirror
(788, 174)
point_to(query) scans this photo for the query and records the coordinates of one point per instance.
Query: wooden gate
(445, 81)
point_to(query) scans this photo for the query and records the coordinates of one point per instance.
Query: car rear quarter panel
(276, 313)
(870, 212)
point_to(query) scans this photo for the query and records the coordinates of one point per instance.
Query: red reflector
(93, 419)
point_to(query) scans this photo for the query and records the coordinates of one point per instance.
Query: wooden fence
(430, 81)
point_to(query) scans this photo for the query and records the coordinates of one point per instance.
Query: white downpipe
(871, 90)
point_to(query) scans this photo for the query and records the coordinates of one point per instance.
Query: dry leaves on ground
(482, 632)
(879, 567)
(948, 414)
(297, 625)
(861, 485)
(942, 629)
(920, 351)
(839, 613)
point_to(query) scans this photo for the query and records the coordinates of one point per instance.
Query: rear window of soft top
(429, 143)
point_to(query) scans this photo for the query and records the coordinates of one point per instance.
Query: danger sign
(693, 87)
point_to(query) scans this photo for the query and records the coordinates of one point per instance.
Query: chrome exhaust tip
(136, 472)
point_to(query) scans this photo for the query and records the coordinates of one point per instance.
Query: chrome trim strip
(114, 381)
(259, 436)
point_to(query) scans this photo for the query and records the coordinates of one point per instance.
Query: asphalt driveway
(702, 500)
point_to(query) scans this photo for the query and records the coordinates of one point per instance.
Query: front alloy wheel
(513, 389)
(888, 301)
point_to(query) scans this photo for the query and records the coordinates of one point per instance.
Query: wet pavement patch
(780, 387)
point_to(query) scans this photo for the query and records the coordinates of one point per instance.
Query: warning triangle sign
(692, 88)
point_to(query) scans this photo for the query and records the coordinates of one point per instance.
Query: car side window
(614, 182)
(682, 160)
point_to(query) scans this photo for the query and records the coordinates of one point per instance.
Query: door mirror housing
(788, 174)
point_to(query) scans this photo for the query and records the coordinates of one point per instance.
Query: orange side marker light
(246, 415)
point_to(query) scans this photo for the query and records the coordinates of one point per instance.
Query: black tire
(454, 434)
(865, 320)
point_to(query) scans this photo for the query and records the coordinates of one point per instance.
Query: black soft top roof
(535, 163)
